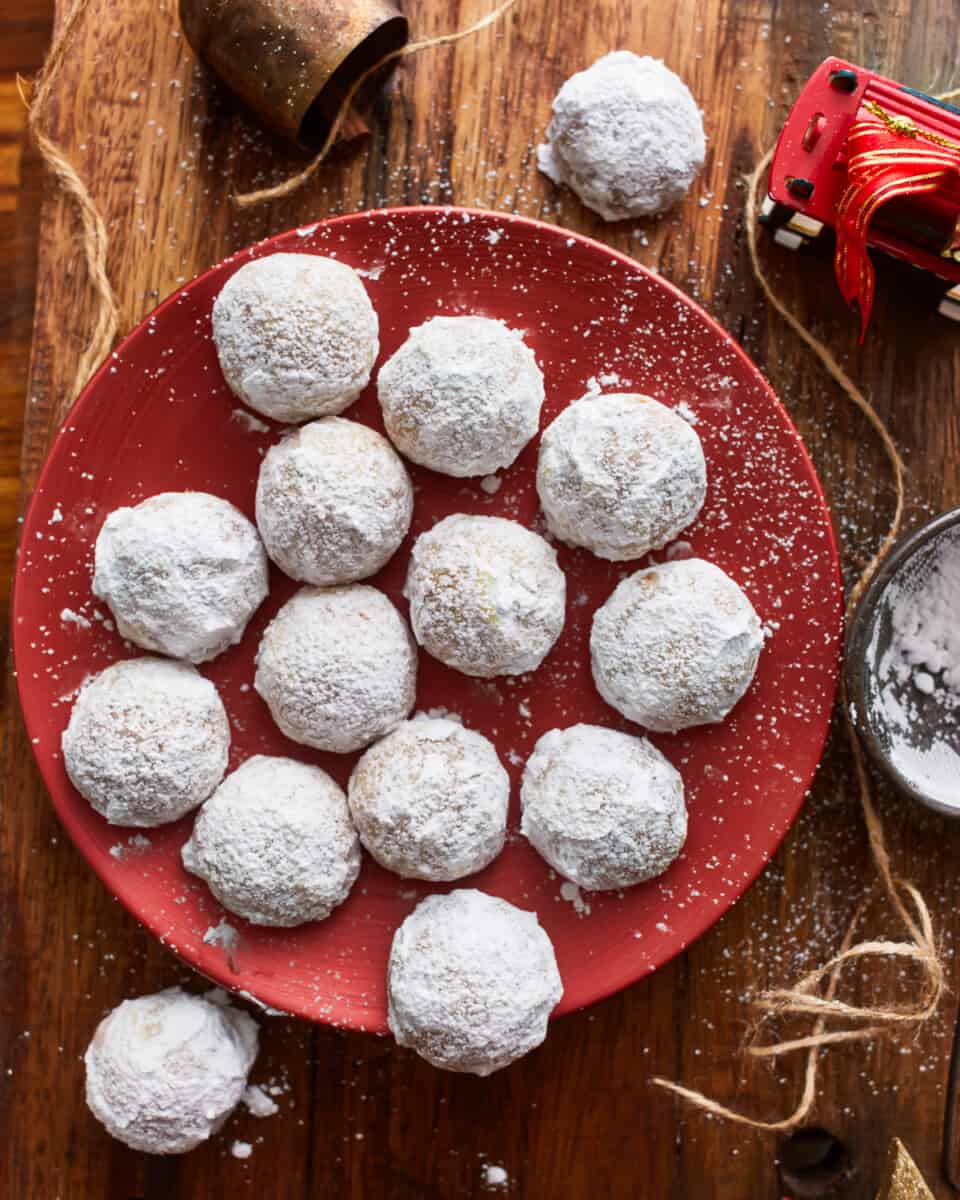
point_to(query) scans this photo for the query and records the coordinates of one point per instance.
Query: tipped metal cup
(292, 61)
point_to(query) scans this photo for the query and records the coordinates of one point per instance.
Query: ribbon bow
(888, 157)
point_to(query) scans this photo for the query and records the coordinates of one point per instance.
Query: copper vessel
(292, 61)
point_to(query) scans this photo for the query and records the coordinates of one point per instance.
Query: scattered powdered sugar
(258, 1103)
(471, 983)
(491, 484)
(620, 474)
(147, 741)
(274, 843)
(223, 934)
(570, 892)
(495, 1177)
(603, 808)
(337, 667)
(486, 595)
(684, 410)
(462, 395)
(441, 712)
(241, 1149)
(675, 645)
(165, 1071)
(596, 383)
(430, 800)
(135, 845)
(334, 502)
(69, 617)
(56, 516)
(915, 692)
(626, 136)
(246, 420)
(296, 335)
(183, 573)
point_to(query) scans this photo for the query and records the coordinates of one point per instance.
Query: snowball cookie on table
(626, 136)
(274, 843)
(296, 336)
(620, 475)
(147, 741)
(334, 502)
(486, 595)
(337, 667)
(675, 645)
(471, 982)
(182, 572)
(430, 800)
(165, 1071)
(604, 809)
(462, 395)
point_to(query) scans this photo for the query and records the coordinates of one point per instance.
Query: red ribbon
(883, 163)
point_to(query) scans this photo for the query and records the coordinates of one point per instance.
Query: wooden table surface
(162, 148)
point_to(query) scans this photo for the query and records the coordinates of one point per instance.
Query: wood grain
(162, 148)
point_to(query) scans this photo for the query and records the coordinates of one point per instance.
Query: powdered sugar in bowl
(903, 665)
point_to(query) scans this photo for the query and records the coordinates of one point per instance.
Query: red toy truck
(808, 175)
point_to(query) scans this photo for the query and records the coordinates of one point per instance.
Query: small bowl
(868, 636)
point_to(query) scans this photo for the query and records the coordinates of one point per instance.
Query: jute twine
(815, 994)
(94, 240)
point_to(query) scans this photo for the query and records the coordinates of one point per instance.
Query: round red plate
(159, 417)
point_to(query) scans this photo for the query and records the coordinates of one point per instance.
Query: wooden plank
(162, 148)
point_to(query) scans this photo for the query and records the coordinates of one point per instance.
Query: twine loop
(814, 995)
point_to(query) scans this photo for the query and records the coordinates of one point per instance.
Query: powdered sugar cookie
(296, 335)
(462, 395)
(486, 595)
(626, 136)
(675, 645)
(604, 809)
(471, 983)
(182, 572)
(620, 475)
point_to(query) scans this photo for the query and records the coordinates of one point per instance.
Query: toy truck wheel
(774, 215)
(789, 239)
(949, 308)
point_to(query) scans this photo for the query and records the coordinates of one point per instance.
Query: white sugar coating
(337, 667)
(165, 1071)
(147, 741)
(471, 983)
(430, 800)
(604, 808)
(626, 136)
(462, 395)
(620, 474)
(913, 695)
(296, 335)
(675, 645)
(182, 572)
(275, 843)
(486, 595)
(334, 502)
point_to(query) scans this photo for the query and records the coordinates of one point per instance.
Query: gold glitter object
(903, 1180)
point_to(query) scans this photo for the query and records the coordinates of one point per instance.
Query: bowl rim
(856, 668)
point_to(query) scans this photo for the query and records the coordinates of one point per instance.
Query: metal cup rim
(856, 665)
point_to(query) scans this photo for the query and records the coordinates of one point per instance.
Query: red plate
(159, 417)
